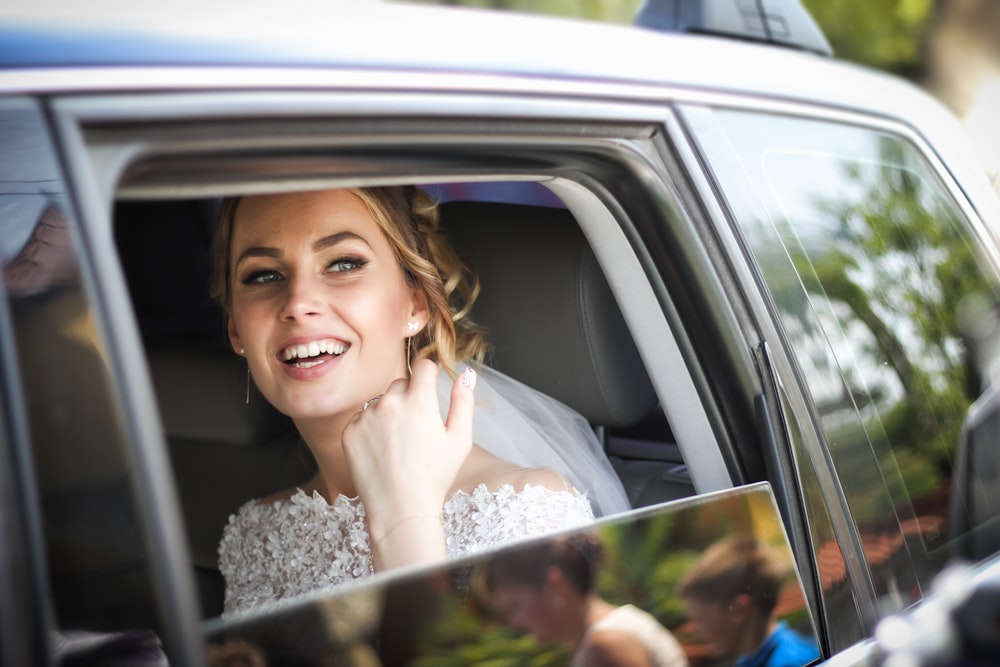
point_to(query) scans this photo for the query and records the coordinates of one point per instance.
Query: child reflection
(548, 591)
(730, 595)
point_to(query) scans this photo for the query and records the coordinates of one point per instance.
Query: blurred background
(951, 48)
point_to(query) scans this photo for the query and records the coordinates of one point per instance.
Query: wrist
(378, 537)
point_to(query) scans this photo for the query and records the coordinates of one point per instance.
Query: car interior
(552, 322)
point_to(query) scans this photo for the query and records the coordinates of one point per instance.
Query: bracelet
(399, 523)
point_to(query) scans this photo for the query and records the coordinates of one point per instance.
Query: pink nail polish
(469, 378)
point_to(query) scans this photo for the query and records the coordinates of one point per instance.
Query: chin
(314, 407)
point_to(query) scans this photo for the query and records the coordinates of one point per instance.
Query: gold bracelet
(399, 523)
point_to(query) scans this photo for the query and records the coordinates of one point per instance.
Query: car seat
(554, 324)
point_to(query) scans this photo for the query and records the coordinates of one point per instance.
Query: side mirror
(695, 580)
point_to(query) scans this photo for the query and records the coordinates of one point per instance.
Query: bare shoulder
(494, 472)
(612, 646)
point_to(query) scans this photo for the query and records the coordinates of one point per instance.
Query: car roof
(372, 34)
(57, 46)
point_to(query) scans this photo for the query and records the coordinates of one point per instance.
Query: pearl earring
(413, 326)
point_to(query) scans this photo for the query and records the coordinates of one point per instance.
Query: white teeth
(313, 349)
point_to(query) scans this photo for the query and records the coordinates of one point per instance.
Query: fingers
(463, 403)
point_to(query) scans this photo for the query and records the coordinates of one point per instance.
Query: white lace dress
(304, 544)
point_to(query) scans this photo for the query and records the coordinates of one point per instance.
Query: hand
(402, 456)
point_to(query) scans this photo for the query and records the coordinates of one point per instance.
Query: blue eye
(262, 277)
(346, 264)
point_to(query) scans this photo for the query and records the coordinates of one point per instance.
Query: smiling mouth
(312, 354)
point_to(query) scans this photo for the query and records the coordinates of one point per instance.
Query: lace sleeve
(483, 520)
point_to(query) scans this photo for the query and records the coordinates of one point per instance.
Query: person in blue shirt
(730, 594)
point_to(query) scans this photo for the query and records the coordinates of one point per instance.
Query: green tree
(884, 34)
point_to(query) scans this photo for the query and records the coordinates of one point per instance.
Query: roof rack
(779, 22)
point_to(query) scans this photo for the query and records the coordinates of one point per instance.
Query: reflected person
(730, 594)
(548, 590)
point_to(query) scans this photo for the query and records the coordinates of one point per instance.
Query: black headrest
(549, 313)
(202, 397)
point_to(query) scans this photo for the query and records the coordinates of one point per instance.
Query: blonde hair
(409, 219)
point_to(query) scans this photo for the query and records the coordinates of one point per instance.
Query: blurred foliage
(884, 34)
(907, 239)
(611, 11)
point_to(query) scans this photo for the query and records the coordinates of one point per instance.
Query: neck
(325, 441)
(594, 610)
(756, 632)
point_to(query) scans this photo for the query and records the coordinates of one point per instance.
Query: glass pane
(679, 584)
(97, 559)
(882, 294)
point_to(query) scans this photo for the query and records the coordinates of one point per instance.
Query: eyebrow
(317, 246)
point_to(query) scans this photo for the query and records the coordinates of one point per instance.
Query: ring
(369, 402)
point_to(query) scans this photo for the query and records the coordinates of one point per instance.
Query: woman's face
(530, 610)
(320, 306)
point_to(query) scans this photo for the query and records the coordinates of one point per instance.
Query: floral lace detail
(303, 544)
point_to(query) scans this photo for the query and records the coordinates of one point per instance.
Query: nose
(302, 298)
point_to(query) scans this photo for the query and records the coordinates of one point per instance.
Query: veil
(532, 430)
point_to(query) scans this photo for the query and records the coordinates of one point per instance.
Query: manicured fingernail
(469, 378)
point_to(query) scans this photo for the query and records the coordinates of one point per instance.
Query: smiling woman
(338, 297)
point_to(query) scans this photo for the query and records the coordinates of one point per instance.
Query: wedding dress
(303, 544)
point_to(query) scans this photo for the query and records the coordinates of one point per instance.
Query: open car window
(227, 445)
(538, 223)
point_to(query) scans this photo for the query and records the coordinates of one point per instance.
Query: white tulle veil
(532, 430)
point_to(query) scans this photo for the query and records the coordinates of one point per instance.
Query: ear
(234, 337)
(555, 580)
(419, 312)
(741, 605)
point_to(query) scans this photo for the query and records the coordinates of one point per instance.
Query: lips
(313, 353)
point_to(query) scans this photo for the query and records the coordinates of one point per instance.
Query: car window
(889, 308)
(678, 575)
(217, 423)
(99, 574)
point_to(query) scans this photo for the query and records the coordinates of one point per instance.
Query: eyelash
(354, 263)
(265, 276)
(258, 277)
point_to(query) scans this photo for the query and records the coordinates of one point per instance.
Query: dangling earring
(243, 353)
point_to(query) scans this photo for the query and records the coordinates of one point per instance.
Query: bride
(352, 313)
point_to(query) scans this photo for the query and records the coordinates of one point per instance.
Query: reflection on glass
(891, 312)
(99, 576)
(549, 591)
(731, 595)
(554, 601)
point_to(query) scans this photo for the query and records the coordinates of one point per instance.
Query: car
(753, 269)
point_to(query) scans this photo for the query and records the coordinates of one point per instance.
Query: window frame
(610, 227)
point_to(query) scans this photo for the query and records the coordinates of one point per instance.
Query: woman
(348, 305)
(548, 590)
